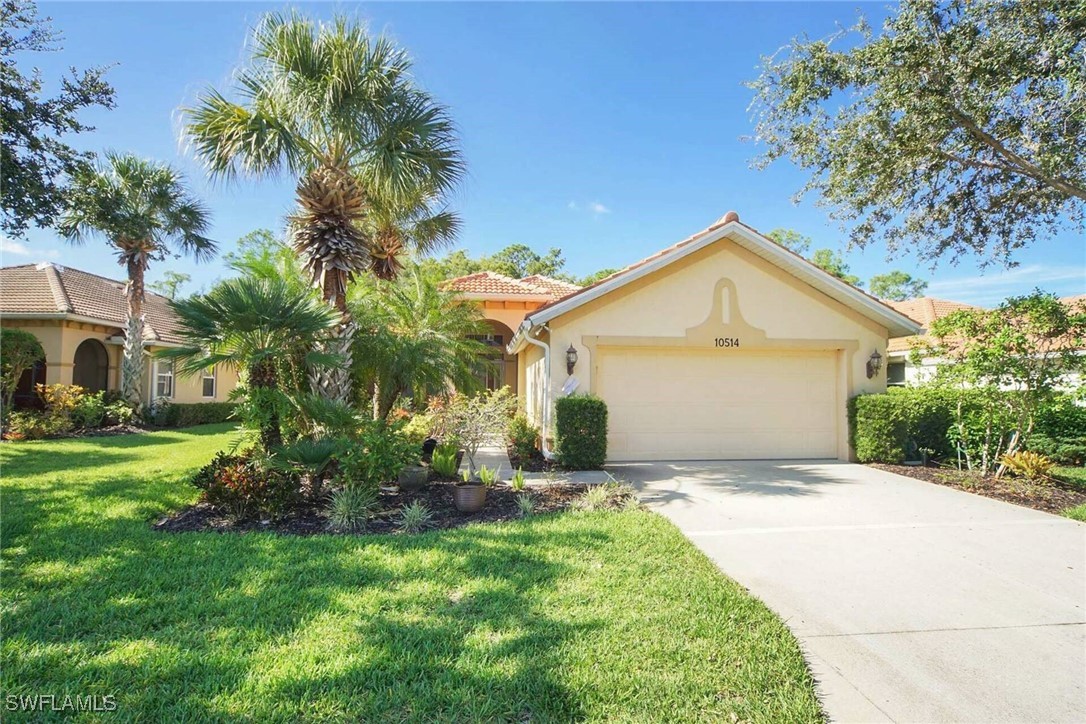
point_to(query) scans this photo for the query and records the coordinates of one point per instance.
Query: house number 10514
(727, 341)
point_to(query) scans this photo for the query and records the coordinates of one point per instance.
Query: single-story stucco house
(725, 345)
(79, 318)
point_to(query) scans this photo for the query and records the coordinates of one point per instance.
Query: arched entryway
(91, 370)
(503, 368)
(26, 393)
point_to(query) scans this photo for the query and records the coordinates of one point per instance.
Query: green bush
(89, 411)
(202, 413)
(243, 487)
(581, 432)
(1060, 432)
(443, 461)
(888, 427)
(418, 428)
(523, 437)
(34, 425)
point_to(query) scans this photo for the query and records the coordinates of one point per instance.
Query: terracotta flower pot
(469, 497)
(412, 478)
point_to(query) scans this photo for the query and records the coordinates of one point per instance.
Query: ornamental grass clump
(525, 505)
(350, 508)
(415, 518)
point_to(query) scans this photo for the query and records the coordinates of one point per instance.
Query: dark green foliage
(203, 413)
(1060, 432)
(19, 351)
(35, 162)
(523, 437)
(955, 128)
(240, 485)
(885, 428)
(581, 432)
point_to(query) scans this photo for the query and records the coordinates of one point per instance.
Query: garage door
(687, 404)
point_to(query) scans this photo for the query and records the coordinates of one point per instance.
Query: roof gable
(729, 227)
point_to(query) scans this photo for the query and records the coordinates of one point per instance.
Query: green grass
(1075, 477)
(586, 616)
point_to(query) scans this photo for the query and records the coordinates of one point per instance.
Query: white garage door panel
(686, 404)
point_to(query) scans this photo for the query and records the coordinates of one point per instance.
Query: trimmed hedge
(884, 427)
(581, 432)
(193, 413)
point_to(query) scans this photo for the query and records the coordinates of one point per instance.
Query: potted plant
(469, 495)
(412, 478)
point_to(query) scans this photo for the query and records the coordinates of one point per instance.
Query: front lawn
(1073, 478)
(575, 616)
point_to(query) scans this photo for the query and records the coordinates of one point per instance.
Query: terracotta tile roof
(53, 289)
(556, 287)
(488, 282)
(924, 310)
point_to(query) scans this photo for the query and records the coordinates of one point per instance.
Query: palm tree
(415, 337)
(338, 109)
(246, 324)
(145, 211)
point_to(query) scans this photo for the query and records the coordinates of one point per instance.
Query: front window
(895, 374)
(163, 378)
(208, 382)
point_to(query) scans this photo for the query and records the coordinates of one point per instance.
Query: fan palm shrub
(338, 109)
(245, 323)
(146, 213)
(416, 338)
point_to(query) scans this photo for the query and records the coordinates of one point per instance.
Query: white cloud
(10, 246)
(593, 207)
(990, 289)
(15, 248)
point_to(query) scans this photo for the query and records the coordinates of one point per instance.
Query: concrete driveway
(913, 602)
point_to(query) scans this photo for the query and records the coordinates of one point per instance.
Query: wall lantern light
(874, 364)
(571, 359)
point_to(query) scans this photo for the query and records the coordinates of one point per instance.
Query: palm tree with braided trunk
(146, 213)
(337, 108)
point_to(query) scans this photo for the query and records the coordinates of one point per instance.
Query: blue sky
(609, 130)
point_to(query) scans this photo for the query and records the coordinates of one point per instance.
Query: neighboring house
(79, 318)
(505, 302)
(903, 370)
(723, 346)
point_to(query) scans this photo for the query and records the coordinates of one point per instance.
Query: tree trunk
(132, 363)
(264, 381)
(335, 383)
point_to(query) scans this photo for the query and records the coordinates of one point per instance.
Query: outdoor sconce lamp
(874, 364)
(571, 359)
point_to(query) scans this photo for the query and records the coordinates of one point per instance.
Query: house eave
(897, 324)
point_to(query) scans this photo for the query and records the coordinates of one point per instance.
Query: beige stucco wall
(60, 339)
(676, 305)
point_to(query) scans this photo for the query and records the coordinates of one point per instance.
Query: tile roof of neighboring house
(924, 310)
(493, 283)
(51, 289)
(557, 287)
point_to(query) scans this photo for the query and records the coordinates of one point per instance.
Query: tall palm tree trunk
(132, 363)
(334, 382)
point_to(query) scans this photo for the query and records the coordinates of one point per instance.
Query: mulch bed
(534, 464)
(111, 431)
(1049, 498)
(437, 496)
